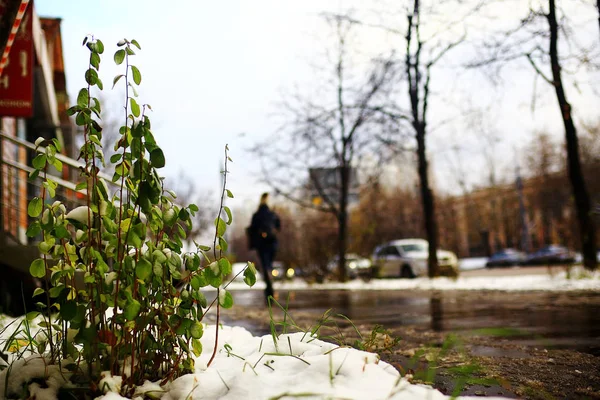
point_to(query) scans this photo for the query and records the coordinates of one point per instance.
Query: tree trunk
(582, 200)
(598, 8)
(343, 223)
(418, 94)
(428, 202)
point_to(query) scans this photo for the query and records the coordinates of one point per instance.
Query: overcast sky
(214, 72)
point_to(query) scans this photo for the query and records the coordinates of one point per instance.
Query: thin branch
(537, 69)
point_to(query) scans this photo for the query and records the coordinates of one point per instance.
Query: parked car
(552, 254)
(407, 258)
(506, 258)
(356, 266)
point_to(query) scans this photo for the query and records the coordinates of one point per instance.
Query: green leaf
(39, 162)
(135, 108)
(212, 278)
(56, 144)
(229, 194)
(91, 76)
(95, 60)
(55, 291)
(224, 266)
(37, 269)
(32, 315)
(61, 232)
(81, 185)
(143, 269)
(157, 158)
(135, 43)
(132, 310)
(229, 216)
(201, 298)
(225, 299)
(250, 274)
(81, 118)
(68, 310)
(115, 157)
(184, 215)
(119, 56)
(34, 174)
(38, 291)
(99, 46)
(57, 164)
(34, 209)
(196, 347)
(134, 240)
(196, 330)
(34, 229)
(50, 188)
(223, 245)
(71, 111)
(196, 282)
(116, 79)
(221, 226)
(46, 245)
(137, 76)
(83, 97)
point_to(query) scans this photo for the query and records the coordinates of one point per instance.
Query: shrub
(128, 317)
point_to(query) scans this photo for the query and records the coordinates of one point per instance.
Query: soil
(483, 364)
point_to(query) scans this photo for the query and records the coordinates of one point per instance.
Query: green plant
(129, 317)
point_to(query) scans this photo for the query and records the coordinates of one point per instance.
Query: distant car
(281, 272)
(356, 266)
(552, 254)
(506, 258)
(407, 258)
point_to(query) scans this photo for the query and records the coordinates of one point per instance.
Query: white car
(407, 258)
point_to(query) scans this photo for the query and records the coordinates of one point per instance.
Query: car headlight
(275, 272)
(290, 272)
(352, 265)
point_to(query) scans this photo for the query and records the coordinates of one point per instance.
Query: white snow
(294, 365)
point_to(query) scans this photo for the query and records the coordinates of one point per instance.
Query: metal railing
(15, 194)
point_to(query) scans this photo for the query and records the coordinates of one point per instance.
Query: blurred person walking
(263, 238)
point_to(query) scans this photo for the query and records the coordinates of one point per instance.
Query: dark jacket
(262, 231)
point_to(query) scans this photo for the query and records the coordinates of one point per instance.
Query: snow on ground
(294, 365)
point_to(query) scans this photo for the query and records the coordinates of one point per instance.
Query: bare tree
(340, 127)
(418, 69)
(582, 199)
(536, 39)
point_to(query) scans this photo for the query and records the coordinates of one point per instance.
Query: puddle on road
(541, 319)
(488, 351)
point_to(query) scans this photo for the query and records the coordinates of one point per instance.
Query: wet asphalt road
(540, 319)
